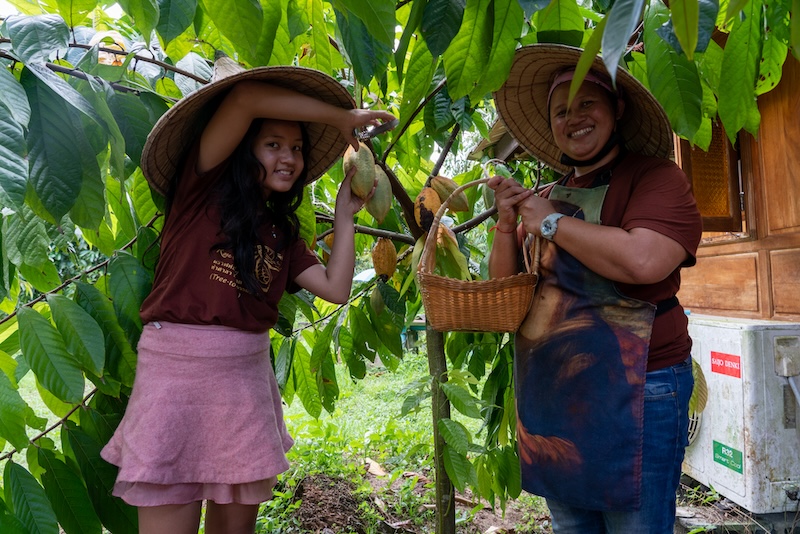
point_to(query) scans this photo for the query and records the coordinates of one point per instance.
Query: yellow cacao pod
(384, 257)
(328, 240)
(364, 162)
(381, 200)
(426, 205)
(444, 187)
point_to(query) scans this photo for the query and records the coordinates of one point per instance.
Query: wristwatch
(550, 225)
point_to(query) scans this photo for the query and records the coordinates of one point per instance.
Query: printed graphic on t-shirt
(224, 271)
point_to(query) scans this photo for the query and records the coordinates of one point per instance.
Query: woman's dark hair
(244, 209)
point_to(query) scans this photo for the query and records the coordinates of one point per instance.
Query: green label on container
(728, 456)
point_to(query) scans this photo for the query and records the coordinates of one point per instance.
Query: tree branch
(445, 152)
(367, 230)
(411, 118)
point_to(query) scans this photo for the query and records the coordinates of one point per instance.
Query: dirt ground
(329, 507)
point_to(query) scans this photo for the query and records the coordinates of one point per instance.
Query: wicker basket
(495, 305)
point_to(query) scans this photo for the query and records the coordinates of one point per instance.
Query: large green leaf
(708, 13)
(590, 51)
(367, 54)
(25, 239)
(46, 353)
(685, 24)
(142, 198)
(283, 48)
(409, 29)
(82, 334)
(100, 96)
(622, 21)
(68, 496)
(44, 277)
(532, 6)
(305, 381)
(35, 39)
(240, 21)
(356, 366)
(459, 468)
(560, 22)
(13, 167)
(10, 524)
(145, 14)
(13, 414)
(462, 400)
(273, 14)
(377, 15)
(508, 22)
(63, 91)
(455, 435)
(130, 284)
(135, 122)
(308, 221)
(99, 475)
(29, 500)
(441, 21)
(740, 60)
(13, 96)
(56, 170)
(674, 80)
(417, 80)
(193, 64)
(75, 11)
(321, 56)
(90, 206)
(174, 17)
(773, 56)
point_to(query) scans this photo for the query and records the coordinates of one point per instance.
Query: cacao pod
(426, 205)
(444, 188)
(364, 178)
(328, 240)
(384, 257)
(381, 200)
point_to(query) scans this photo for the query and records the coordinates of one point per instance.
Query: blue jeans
(666, 429)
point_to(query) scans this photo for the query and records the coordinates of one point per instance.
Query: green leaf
(622, 21)
(734, 7)
(130, 284)
(68, 496)
(321, 53)
(135, 121)
(586, 60)
(13, 414)
(365, 339)
(685, 24)
(121, 210)
(272, 14)
(773, 56)
(458, 468)
(283, 361)
(413, 22)
(174, 17)
(377, 16)
(46, 353)
(99, 476)
(421, 68)
(10, 524)
(367, 54)
(508, 23)
(100, 97)
(560, 22)
(63, 92)
(356, 366)
(90, 206)
(740, 61)
(120, 356)
(100, 426)
(532, 6)
(25, 239)
(308, 220)
(283, 49)
(193, 64)
(13, 167)
(35, 39)
(305, 381)
(514, 479)
(674, 80)
(462, 400)
(145, 14)
(13, 96)
(43, 277)
(794, 35)
(468, 54)
(455, 435)
(441, 21)
(84, 337)
(75, 11)
(240, 21)
(29, 500)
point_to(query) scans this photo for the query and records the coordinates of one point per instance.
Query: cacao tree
(81, 85)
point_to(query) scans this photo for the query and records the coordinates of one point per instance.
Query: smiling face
(583, 129)
(279, 148)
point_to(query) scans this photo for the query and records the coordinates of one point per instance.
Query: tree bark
(437, 364)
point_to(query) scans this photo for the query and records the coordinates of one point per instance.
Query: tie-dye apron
(580, 363)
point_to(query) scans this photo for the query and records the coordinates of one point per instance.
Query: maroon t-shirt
(654, 193)
(196, 282)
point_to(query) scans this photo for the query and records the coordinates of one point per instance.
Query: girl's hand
(346, 202)
(355, 119)
(508, 196)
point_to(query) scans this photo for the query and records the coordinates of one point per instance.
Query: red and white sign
(726, 364)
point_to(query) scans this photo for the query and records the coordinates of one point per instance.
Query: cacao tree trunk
(437, 364)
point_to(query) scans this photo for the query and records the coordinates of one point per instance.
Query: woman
(204, 421)
(602, 366)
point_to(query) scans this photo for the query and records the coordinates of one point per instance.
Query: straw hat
(178, 128)
(522, 105)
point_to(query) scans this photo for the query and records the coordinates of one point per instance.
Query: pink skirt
(204, 420)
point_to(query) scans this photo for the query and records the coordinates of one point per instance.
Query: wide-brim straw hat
(176, 130)
(522, 105)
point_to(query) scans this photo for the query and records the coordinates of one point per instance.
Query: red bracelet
(493, 228)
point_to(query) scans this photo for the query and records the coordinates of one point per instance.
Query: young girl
(204, 421)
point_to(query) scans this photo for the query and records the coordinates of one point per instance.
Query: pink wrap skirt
(204, 420)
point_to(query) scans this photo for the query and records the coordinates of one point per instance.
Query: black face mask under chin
(612, 142)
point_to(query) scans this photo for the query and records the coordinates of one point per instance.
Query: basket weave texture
(495, 305)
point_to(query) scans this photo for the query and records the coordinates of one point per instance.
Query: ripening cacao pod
(426, 205)
(444, 188)
(381, 200)
(384, 257)
(364, 178)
